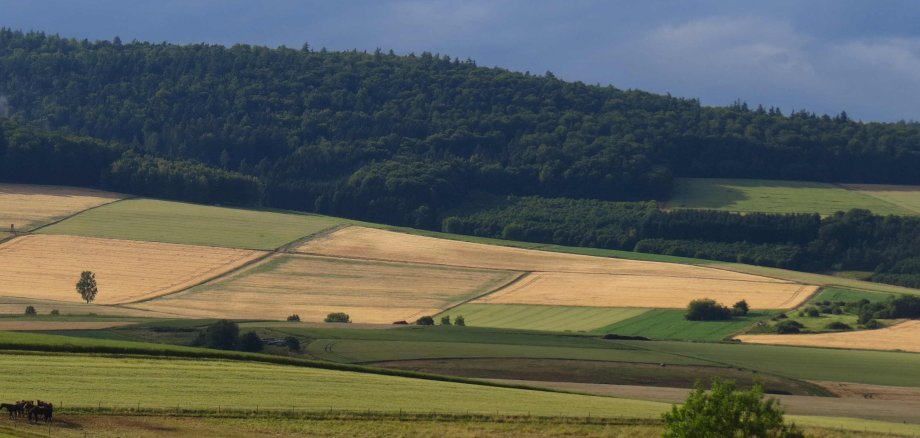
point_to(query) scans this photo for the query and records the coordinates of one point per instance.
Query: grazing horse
(44, 412)
(15, 409)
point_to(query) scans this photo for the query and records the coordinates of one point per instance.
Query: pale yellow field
(603, 290)
(29, 206)
(359, 242)
(904, 336)
(313, 287)
(47, 267)
(906, 197)
(17, 306)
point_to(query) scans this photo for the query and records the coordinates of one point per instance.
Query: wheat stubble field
(29, 206)
(568, 279)
(46, 267)
(314, 286)
(904, 336)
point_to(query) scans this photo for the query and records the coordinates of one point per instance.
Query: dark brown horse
(43, 411)
(15, 409)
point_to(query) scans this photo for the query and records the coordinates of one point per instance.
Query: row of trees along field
(410, 140)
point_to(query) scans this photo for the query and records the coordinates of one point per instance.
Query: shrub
(837, 311)
(837, 325)
(459, 320)
(294, 318)
(445, 320)
(222, 334)
(725, 412)
(30, 311)
(251, 342)
(873, 324)
(789, 327)
(337, 317)
(55, 312)
(292, 343)
(425, 320)
(741, 308)
(780, 316)
(707, 310)
(812, 312)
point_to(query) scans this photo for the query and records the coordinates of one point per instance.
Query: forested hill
(399, 138)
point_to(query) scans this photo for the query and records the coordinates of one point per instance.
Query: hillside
(397, 138)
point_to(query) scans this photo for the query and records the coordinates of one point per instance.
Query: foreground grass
(177, 222)
(671, 324)
(80, 380)
(351, 425)
(773, 196)
(540, 317)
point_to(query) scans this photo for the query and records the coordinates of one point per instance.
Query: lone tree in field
(725, 412)
(86, 287)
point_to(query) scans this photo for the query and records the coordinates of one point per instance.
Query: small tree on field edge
(222, 334)
(294, 318)
(337, 317)
(725, 412)
(292, 343)
(251, 342)
(741, 308)
(425, 320)
(445, 320)
(30, 311)
(459, 321)
(86, 286)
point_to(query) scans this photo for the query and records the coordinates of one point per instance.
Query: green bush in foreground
(725, 412)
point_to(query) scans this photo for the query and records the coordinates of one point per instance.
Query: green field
(538, 317)
(835, 294)
(857, 366)
(773, 196)
(671, 324)
(907, 197)
(75, 380)
(176, 222)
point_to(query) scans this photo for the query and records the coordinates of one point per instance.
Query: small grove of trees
(294, 318)
(86, 286)
(725, 412)
(337, 317)
(425, 320)
(251, 342)
(706, 309)
(225, 335)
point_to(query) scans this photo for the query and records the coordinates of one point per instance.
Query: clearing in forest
(904, 336)
(29, 206)
(774, 196)
(312, 287)
(566, 289)
(906, 197)
(47, 267)
(177, 222)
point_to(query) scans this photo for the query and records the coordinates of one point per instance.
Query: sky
(824, 56)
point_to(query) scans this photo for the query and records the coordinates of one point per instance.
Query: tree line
(366, 135)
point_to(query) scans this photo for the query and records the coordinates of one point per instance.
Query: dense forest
(430, 141)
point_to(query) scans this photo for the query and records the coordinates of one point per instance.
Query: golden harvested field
(359, 242)
(603, 290)
(47, 267)
(904, 336)
(312, 287)
(906, 197)
(60, 325)
(30, 206)
(16, 306)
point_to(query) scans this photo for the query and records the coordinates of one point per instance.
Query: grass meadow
(774, 196)
(540, 317)
(78, 380)
(177, 222)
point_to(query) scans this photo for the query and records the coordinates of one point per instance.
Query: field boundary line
(62, 219)
(262, 257)
(518, 278)
(291, 246)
